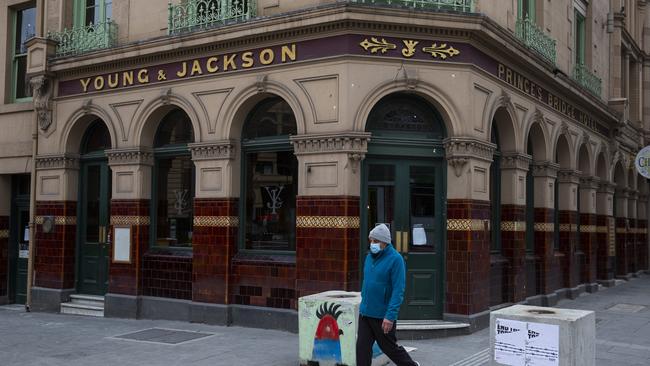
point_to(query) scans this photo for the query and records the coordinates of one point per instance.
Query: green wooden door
(408, 196)
(94, 247)
(19, 252)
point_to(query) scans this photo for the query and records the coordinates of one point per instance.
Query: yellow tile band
(216, 221)
(336, 222)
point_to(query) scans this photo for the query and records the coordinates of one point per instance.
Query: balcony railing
(587, 79)
(193, 15)
(85, 39)
(461, 6)
(527, 31)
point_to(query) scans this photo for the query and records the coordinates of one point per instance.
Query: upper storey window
(580, 33)
(24, 28)
(527, 9)
(93, 28)
(88, 12)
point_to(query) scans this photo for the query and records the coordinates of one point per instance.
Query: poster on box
(510, 342)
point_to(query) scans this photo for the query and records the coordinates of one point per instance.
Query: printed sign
(122, 246)
(642, 162)
(520, 343)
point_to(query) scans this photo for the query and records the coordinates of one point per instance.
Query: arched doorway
(93, 241)
(403, 186)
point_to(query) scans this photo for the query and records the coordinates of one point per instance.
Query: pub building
(215, 160)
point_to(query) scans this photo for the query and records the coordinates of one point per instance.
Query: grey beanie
(380, 233)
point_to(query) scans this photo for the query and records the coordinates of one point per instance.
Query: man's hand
(387, 325)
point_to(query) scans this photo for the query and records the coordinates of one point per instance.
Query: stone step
(92, 300)
(79, 309)
(427, 329)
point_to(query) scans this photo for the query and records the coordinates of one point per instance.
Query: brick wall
(54, 263)
(468, 257)
(123, 277)
(167, 275)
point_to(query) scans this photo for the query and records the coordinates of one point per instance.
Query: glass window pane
(25, 28)
(271, 189)
(381, 195)
(175, 201)
(423, 205)
(272, 117)
(175, 128)
(23, 89)
(92, 203)
(405, 114)
(108, 10)
(97, 138)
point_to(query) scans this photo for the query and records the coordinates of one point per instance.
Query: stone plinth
(529, 335)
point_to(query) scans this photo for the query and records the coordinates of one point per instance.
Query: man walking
(381, 296)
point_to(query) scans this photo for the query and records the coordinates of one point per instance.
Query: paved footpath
(622, 324)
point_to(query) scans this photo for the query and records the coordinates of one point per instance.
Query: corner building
(214, 160)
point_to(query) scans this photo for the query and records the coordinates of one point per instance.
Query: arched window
(495, 191)
(173, 184)
(270, 178)
(96, 139)
(405, 114)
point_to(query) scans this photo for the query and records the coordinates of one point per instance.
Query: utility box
(327, 326)
(523, 335)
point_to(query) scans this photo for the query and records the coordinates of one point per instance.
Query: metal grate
(627, 308)
(163, 336)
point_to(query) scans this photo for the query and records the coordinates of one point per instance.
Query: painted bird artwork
(327, 344)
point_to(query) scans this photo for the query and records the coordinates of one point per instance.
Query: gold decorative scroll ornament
(441, 51)
(375, 45)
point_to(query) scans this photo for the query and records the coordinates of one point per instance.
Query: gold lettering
(143, 76)
(563, 107)
(521, 82)
(85, 83)
(247, 60)
(549, 100)
(526, 86)
(229, 61)
(556, 103)
(183, 72)
(113, 83)
(501, 71)
(211, 64)
(266, 56)
(509, 76)
(196, 68)
(99, 83)
(127, 78)
(289, 52)
(539, 94)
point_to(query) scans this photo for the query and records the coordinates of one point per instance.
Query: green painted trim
(495, 234)
(579, 37)
(14, 67)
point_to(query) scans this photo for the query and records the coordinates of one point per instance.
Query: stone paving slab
(623, 338)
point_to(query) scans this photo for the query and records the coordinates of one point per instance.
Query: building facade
(214, 160)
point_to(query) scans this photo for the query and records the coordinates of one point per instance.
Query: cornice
(568, 176)
(130, 156)
(342, 142)
(545, 169)
(589, 182)
(57, 161)
(515, 160)
(219, 150)
(606, 187)
(459, 151)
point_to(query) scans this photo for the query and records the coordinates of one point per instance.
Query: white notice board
(122, 245)
(526, 344)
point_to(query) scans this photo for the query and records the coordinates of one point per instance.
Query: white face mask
(375, 248)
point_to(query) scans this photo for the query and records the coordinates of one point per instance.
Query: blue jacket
(382, 292)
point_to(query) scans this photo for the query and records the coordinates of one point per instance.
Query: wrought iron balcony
(533, 37)
(461, 6)
(193, 15)
(85, 39)
(587, 79)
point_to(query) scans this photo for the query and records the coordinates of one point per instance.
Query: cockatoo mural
(327, 344)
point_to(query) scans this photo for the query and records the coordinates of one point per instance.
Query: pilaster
(568, 181)
(544, 175)
(605, 229)
(588, 245)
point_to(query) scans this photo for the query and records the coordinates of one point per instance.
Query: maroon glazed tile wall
(569, 263)
(123, 277)
(167, 276)
(621, 247)
(4, 257)
(262, 280)
(513, 248)
(589, 249)
(642, 240)
(548, 267)
(604, 266)
(54, 264)
(632, 247)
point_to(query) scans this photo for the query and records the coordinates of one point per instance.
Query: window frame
(79, 12)
(262, 144)
(579, 36)
(531, 14)
(13, 11)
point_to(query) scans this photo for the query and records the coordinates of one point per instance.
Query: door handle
(405, 241)
(398, 241)
(102, 234)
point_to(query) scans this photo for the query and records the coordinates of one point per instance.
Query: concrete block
(266, 318)
(530, 335)
(49, 299)
(121, 306)
(214, 314)
(163, 308)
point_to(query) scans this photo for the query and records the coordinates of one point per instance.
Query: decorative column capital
(606, 187)
(545, 169)
(41, 96)
(57, 161)
(568, 176)
(622, 193)
(633, 195)
(218, 150)
(515, 160)
(459, 151)
(589, 182)
(130, 156)
(352, 143)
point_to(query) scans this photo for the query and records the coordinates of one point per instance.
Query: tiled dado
(632, 247)
(621, 246)
(588, 247)
(642, 232)
(547, 263)
(262, 280)
(327, 244)
(513, 249)
(604, 262)
(4, 254)
(166, 275)
(54, 264)
(124, 277)
(214, 245)
(468, 257)
(569, 264)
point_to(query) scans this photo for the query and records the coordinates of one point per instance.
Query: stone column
(216, 225)
(605, 230)
(55, 242)
(568, 181)
(642, 230)
(5, 211)
(514, 167)
(544, 175)
(588, 245)
(633, 244)
(468, 230)
(621, 232)
(129, 208)
(327, 211)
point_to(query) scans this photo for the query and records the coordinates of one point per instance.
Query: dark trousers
(369, 332)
